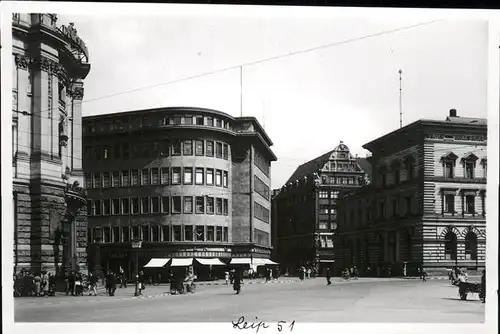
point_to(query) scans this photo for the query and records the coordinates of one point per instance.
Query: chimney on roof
(453, 113)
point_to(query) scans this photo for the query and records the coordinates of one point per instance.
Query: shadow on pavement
(458, 299)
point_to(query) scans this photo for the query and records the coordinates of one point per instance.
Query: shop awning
(241, 260)
(156, 263)
(263, 262)
(211, 262)
(181, 262)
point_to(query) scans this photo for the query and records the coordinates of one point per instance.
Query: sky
(307, 102)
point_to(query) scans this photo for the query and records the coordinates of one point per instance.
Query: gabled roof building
(305, 208)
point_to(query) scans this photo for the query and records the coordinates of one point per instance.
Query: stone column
(76, 128)
(23, 109)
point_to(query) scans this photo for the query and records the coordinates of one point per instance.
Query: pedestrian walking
(309, 273)
(328, 276)
(424, 275)
(355, 273)
(37, 285)
(93, 279)
(226, 277)
(45, 285)
(237, 281)
(72, 280)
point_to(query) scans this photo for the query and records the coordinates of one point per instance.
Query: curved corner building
(49, 64)
(189, 182)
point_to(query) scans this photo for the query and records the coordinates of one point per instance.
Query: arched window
(450, 246)
(471, 246)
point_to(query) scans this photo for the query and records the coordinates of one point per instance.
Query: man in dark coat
(111, 283)
(71, 281)
(237, 281)
(328, 276)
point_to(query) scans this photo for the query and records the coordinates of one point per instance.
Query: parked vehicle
(465, 288)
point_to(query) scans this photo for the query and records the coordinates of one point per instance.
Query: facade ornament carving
(456, 137)
(22, 61)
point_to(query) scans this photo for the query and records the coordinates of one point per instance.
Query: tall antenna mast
(241, 91)
(400, 100)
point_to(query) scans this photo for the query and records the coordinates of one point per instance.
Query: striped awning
(211, 262)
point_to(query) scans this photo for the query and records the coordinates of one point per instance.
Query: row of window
(158, 233)
(156, 176)
(326, 194)
(400, 207)
(129, 123)
(450, 246)
(468, 203)
(261, 188)
(327, 209)
(325, 241)
(342, 180)
(163, 204)
(323, 225)
(469, 169)
(157, 148)
(262, 163)
(396, 175)
(261, 212)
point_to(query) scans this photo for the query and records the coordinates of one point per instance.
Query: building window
(136, 232)
(226, 234)
(115, 206)
(106, 207)
(155, 177)
(164, 175)
(449, 203)
(155, 233)
(218, 178)
(188, 175)
(381, 209)
(261, 212)
(125, 234)
(210, 121)
(135, 177)
(176, 204)
(210, 148)
(105, 179)
(218, 202)
(210, 176)
(155, 205)
(88, 180)
(200, 121)
(323, 194)
(125, 206)
(210, 205)
(146, 180)
(225, 152)
(210, 233)
(218, 233)
(188, 232)
(218, 150)
(448, 169)
(470, 204)
(200, 233)
(200, 176)
(226, 206)
(125, 178)
(450, 246)
(116, 234)
(165, 229)
(408, 206)
(176, 147)
(97, 207)
(200, 204)
(409, 171)
(395, 208)
(323, 225)
(89, 208)
(471, 246)
(261, 188)
(135, 206)
(188, 120)
(261, 163)
(469, 169)
(165, 207)
(144, 204)
(176, 120)
(115, 182)
(397, 176)
(384, 179)
(107, 234)
(188, 204)
(176, 175)
(199, 148)
(188, 147)
(176, 233)
(218, 123)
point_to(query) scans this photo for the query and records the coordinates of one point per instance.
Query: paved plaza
(363, 300)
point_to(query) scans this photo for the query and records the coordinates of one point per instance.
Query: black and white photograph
(262, 169)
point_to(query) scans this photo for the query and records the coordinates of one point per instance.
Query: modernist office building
(189, 182)
(306, 213)
(426, 206)
(49, 63)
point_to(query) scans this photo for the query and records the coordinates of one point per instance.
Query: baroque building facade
(426, 206)
(306, 208)
(188, 182)
(49, 64)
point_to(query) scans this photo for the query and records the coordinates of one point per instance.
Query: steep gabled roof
(310, 167)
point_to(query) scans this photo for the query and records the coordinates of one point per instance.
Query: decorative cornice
(455, 137)
(22, 61)
(41, 63)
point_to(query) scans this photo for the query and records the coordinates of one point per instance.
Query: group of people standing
(27, 284)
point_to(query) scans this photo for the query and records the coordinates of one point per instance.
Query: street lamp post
(136, 245)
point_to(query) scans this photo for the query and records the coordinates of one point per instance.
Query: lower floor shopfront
(434, 245)
(103, 257)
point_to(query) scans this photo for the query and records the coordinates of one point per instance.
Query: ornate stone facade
(427, 204)
(47, 146)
